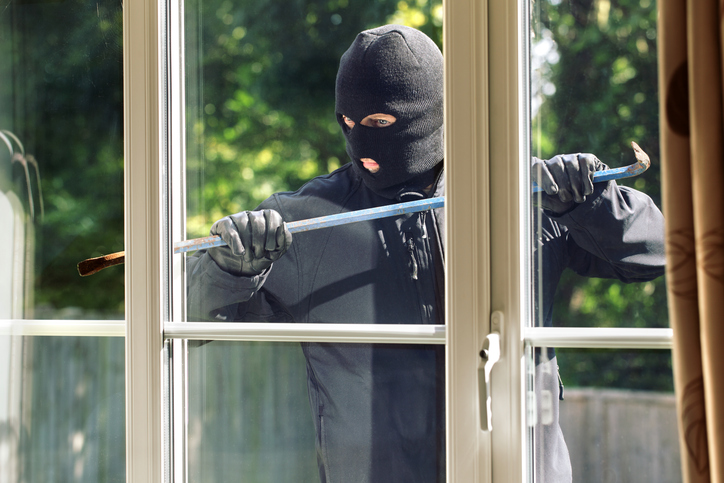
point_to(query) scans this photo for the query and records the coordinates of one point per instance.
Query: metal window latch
(489, 355)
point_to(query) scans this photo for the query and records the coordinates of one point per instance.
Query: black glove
(255, 239)
(565, 179)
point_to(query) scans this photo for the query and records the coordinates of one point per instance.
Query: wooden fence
(249, 416)
(617, 436)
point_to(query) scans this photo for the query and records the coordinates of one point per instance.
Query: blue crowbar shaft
(93, 265)
(326, 221)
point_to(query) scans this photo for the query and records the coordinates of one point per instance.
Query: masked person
(379, 408)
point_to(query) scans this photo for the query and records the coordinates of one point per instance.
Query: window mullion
(508, 268)
(467, 225)
(292, 332)
(63, 328)
(143, 240)
(599, 337)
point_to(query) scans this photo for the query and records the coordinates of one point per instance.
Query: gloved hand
(255, 239)
(565, 179)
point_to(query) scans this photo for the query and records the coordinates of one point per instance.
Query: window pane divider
(598, 337)
(291, 332)
(561, 337)
(63, 328)
(145, 238)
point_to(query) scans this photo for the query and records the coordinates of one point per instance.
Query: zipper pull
(413, 260)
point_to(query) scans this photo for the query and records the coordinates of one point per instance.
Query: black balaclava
(399, 71)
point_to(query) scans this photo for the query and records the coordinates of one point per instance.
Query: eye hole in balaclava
(394, 70)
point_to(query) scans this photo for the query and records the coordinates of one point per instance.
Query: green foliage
(621, 369)
(595, 302)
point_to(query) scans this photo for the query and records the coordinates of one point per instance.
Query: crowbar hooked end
(642, 160)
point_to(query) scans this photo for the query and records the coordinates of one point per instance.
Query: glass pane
(249, 418)
(260, 120)
(619, 415)
(597, 248)
(61, 158)
(271, 413)
(594, 90)
(61, 202)
(602, 415)
(62, 412)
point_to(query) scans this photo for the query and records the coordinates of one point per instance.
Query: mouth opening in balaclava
(393, 70)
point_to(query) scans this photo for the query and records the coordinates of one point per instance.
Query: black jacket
(379, 409)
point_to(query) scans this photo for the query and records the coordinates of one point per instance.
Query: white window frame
(484, 225)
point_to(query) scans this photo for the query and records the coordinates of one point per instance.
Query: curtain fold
(692, 157)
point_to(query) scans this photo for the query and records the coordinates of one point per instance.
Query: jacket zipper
(413, 258)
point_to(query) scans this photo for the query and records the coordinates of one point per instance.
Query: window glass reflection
(61, 158)
(61, 201)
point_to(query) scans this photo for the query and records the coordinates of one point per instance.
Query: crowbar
(93, 265)
(642, 164)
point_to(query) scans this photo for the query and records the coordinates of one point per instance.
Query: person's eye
(383, 122)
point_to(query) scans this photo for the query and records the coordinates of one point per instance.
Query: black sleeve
(214, 295)
(617, 233)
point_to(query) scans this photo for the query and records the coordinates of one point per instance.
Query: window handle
(489, 355)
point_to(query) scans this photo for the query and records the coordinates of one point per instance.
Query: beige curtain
(692, 133)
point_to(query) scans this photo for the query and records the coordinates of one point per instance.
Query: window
(62, 413)
(260, 119)
(488, 144)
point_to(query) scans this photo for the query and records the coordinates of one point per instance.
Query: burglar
(379, 408)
